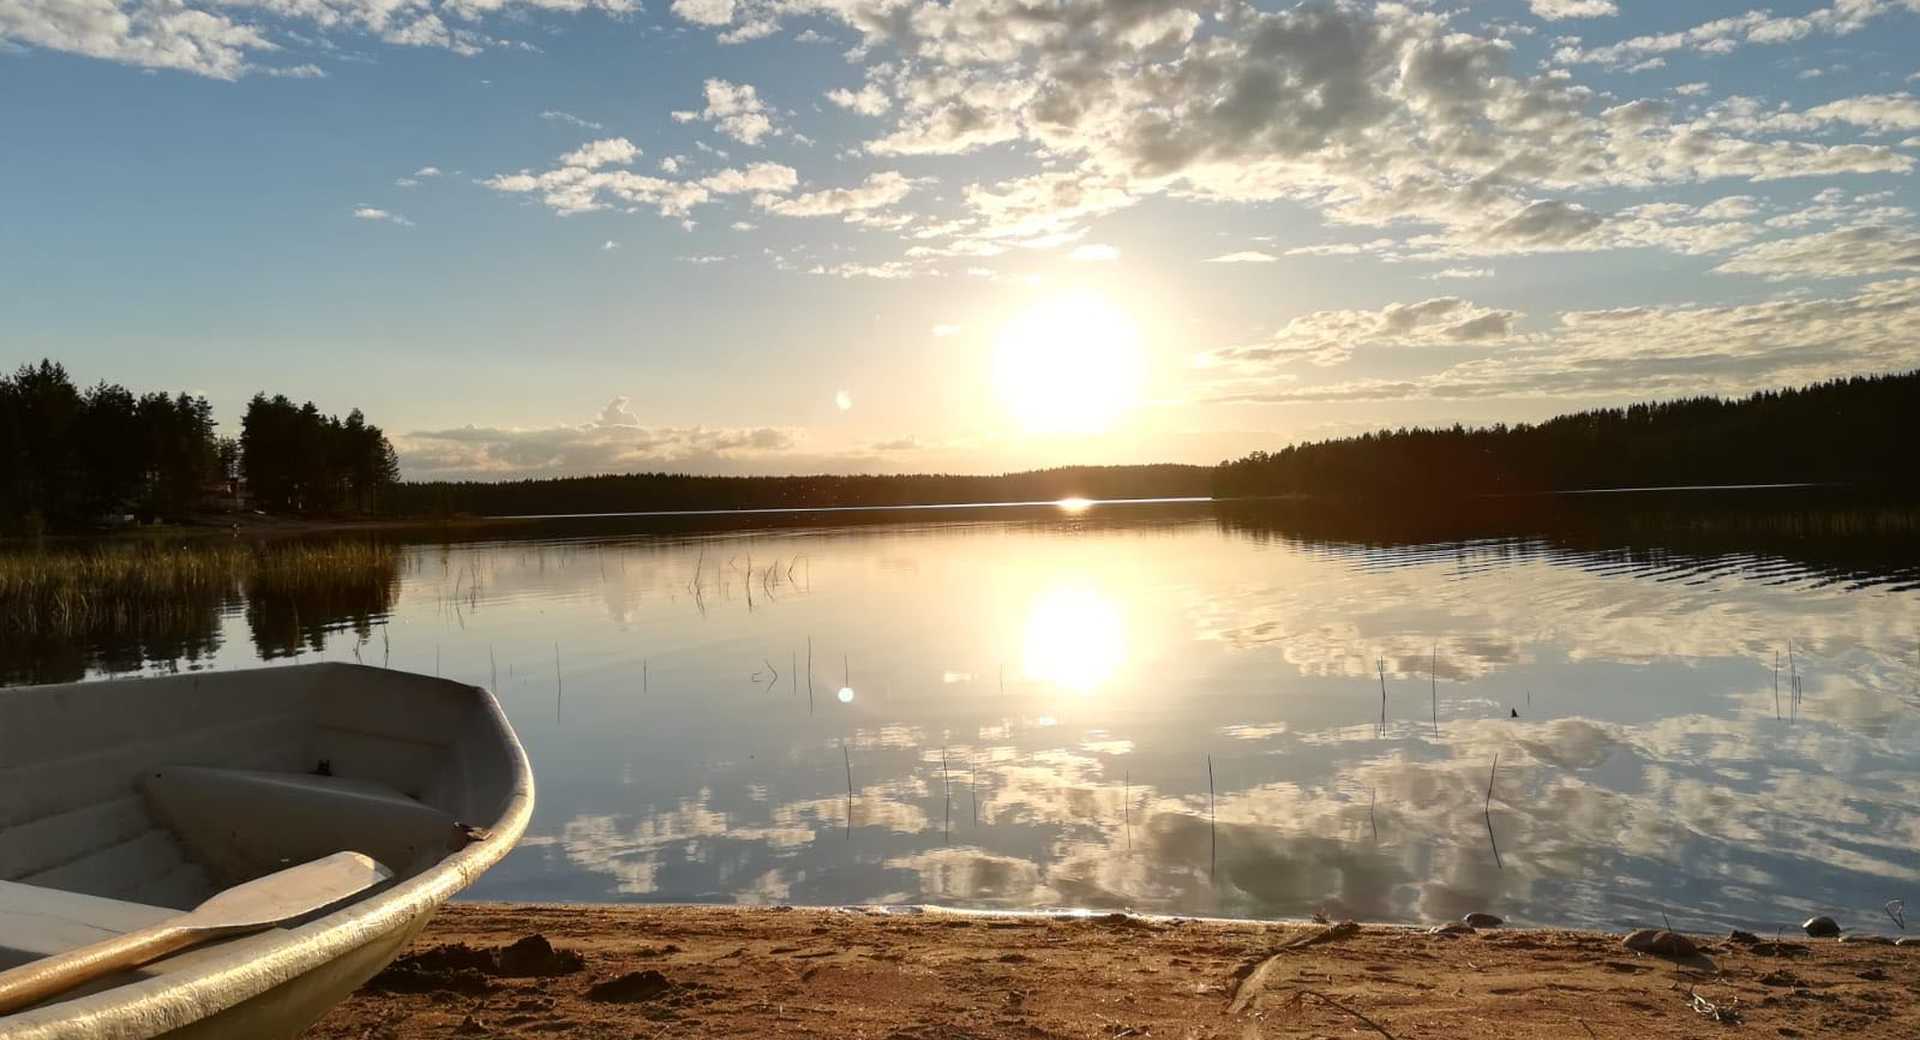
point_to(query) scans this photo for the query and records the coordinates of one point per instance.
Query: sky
(544, 237)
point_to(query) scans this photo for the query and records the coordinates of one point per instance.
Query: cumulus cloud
(613, 151)
(1327, 338)
(734, 109)
(1373, 115)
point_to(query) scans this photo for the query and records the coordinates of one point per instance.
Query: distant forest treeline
(1861, 429)
(643, 492)
(70, 457)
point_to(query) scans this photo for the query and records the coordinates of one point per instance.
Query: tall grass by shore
(128, 587)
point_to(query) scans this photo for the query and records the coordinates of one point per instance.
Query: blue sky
(776, 235)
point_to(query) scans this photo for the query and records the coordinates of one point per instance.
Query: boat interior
(124, 803)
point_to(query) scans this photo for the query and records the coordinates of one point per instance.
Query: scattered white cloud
(1722, 36)
(876, 192)
(1557, 10)
(1094, 252)
(1245, 256)
(891, 270)
(734, 109)
(556, 116)
(842, 400)
(1849, 252)
(869, 100)
(1642, 352)
(1326, 338)
(616, 440)
(1458, 273)
(609, 246)
(380, 216)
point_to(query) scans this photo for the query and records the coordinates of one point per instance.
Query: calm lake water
(1166, 709)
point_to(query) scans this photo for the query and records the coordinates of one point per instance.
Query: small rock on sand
(533, 957)
(1743, 938)
(1480, 920)
(631, 988)
(1451, 928)
(1660, 941)
(1821, 927)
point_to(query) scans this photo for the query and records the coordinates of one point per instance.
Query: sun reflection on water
(1076, 638)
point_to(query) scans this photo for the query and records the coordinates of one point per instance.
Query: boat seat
(36, 922)
(241, 824)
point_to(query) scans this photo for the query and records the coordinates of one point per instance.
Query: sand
(779, 972)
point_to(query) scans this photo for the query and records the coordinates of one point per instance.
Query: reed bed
(129, 587)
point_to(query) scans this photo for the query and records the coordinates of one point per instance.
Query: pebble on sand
(1821, 927)
(1660, 941)
(1480, 920)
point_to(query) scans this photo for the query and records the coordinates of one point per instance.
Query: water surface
(1167, 708)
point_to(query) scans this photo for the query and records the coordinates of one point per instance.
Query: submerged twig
(1337, 1006)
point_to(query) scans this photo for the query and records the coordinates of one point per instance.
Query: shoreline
(666, 970)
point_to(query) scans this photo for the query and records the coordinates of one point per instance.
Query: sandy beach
(600, 971)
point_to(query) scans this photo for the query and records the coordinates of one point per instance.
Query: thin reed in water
(849, 760)
(1487, 811)
(1213, 827)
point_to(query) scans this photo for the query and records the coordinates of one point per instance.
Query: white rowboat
(125, 803)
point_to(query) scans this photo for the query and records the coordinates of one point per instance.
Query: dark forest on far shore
(75, 458)
(644, 492)
(1860, 430)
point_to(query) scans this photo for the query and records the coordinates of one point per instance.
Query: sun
(1070, 364)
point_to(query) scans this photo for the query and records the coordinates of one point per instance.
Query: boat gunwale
(160, 1004)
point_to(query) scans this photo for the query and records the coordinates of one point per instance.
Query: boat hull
(402, 750)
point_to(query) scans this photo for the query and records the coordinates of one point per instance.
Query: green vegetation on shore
(122, 587)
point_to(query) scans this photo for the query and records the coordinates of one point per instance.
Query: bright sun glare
(1076, 638)
(1070, 364)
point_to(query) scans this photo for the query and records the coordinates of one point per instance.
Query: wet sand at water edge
(600, 971)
